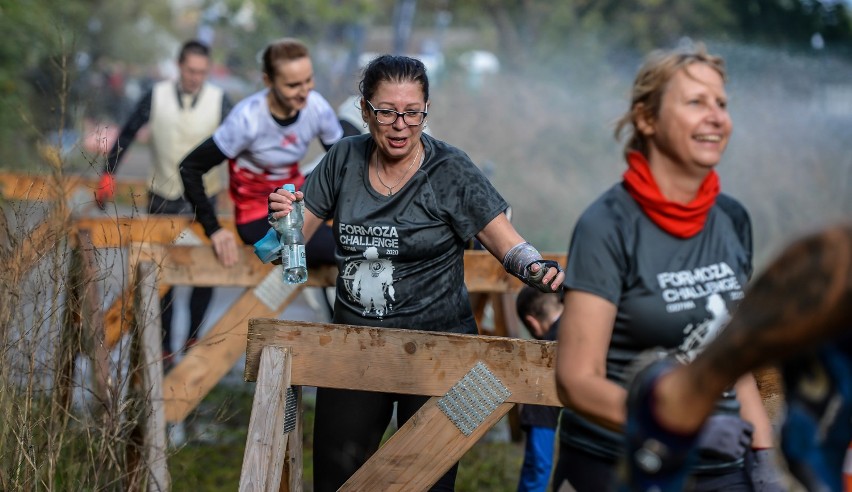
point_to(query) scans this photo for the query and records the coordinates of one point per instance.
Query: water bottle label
(293, 257)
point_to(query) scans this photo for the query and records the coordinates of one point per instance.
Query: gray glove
(725, 437)
(761, 465)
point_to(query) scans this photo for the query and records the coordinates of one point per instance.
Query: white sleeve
(330, 129)
(238, 131)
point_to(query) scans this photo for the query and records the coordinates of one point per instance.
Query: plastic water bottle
(289, 230)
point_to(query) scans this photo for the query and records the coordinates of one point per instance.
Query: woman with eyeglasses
(661, 259)
(263, 139)
(403, 206)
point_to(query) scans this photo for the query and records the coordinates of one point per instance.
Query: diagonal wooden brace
(449, 426)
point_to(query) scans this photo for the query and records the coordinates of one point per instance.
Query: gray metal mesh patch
(290, 409)
(473, 398)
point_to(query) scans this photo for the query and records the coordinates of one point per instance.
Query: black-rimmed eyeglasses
(389, 116)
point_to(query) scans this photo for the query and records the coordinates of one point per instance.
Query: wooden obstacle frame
(473, 381)
(171, 250)
(218, 349)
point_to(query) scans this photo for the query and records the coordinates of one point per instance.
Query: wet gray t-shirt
(400, 257)
(670, 292)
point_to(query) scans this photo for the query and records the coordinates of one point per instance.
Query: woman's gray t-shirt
(400, 257)
(670, 292)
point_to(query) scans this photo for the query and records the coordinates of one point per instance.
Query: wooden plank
(186, 265)
(217, 351)
(109, 232)
(420, 452)
(148, 391)
(117, 232)
(422, 363)
(263, 460)
(198, 265)
(43, 187)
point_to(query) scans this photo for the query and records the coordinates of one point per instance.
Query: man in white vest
(180, 115)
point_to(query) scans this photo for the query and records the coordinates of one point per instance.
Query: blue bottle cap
(290, 187)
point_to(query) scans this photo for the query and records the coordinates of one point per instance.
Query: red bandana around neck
(683, 221)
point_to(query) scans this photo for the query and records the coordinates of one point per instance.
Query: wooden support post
(72, 327)
(147, 449)
(83, 323)
(93, 332)
(263, 461)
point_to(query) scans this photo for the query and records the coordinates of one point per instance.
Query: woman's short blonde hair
(651, 83)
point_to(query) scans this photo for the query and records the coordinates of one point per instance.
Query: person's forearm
(192, 170)
(140, 116)
(599, 400)
(311, 224)
(802, 299)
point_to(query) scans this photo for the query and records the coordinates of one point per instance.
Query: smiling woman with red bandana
(659, 260)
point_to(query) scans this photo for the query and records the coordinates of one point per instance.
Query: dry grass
(48, 441)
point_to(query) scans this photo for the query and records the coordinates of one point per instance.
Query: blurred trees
(64, 49)
(790, 21)
(542, 25)
(334, 28)
(49, 45)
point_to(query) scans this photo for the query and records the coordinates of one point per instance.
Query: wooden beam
(198, 265)
(118, 318)
(420, 452)
(420, 362)
(217, 351)
(150, 434)
(185, 265)
(43, 187)
(117, 232)
(263, 461)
